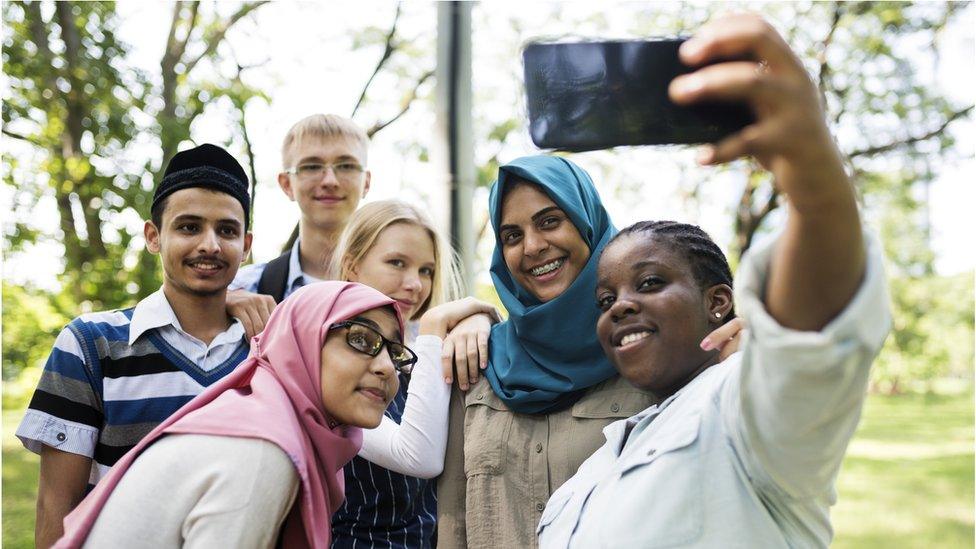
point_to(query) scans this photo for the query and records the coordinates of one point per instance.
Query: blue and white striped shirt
(113, 376)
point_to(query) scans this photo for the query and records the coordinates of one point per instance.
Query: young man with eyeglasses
(323, 160)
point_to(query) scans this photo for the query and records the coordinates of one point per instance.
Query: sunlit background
(97, 94)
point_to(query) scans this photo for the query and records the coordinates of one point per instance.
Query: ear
(151, 233)
(284, 181)
(369, 177)
(350, 271)
(718, 300)
(248, 238)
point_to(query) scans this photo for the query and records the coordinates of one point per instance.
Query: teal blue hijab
(546, 355)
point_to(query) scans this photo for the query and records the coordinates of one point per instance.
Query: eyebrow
(316, 158)
(198, 218)
(603, 281)
(646, 263)
(372, 324)
(535, 217)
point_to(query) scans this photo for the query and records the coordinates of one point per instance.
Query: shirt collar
(154, 311)
(295, 271)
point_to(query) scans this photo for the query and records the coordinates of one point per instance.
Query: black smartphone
(596, 95)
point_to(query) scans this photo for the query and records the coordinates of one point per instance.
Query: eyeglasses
(313, 171)
(368, 341)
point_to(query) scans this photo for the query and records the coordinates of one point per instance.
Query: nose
(382, 364)
(622, 307)
(535, 243)
(329, 176)
(208, 244)
(411, 282)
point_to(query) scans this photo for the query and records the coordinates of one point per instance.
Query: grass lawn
(907, 480)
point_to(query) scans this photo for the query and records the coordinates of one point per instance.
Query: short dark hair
(156, 213)
(708, 264)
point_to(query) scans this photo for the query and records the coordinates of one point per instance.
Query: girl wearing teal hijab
(546, 354)
(548, 390)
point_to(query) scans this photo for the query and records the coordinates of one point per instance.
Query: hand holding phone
(596, 95)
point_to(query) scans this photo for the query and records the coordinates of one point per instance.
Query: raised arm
(819, 261)
(815, 299)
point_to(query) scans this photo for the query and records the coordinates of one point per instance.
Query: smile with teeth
(205, 266)
(547, 268)
(630, 338)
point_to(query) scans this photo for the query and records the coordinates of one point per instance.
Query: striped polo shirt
(114, 376)
(383, 508)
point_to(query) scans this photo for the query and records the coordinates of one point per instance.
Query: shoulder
(111, 326)
(615, 397)
(248, 276)
(253, 460)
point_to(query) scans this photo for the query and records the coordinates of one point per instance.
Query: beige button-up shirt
(501, 466)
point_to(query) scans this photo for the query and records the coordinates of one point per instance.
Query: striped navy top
(98, 395)
(383, 508)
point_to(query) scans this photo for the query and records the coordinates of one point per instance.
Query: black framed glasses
(367, 340)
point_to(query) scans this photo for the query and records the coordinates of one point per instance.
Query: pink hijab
(275, 395)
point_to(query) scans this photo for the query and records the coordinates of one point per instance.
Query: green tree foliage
(91, 133)
(72, 100)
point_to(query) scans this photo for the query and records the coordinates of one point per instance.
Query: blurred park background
(97, 95)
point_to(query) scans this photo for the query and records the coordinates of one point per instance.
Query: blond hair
(364, 228)
(322, 126)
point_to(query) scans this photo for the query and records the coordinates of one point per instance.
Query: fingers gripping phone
(596, 95)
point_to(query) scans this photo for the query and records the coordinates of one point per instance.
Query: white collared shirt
(249, 276)
(746, 454)
(155, 312)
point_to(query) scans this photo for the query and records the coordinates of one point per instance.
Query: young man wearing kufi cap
(114, 375)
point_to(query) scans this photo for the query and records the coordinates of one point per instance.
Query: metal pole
(454, 125)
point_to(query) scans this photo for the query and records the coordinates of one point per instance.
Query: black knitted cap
(207, 166)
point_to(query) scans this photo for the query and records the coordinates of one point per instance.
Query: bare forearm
(50, 519)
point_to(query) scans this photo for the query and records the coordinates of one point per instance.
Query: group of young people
(312, 401)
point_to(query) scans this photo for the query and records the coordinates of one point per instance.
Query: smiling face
(328, 199)
(400, 264)
(655, 313)
(357, 388)
(542, 248)
(201, 241)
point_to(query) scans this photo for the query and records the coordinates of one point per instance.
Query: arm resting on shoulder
(415, 447)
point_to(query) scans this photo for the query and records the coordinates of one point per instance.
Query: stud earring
(718, 315)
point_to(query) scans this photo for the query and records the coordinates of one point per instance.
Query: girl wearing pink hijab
(257, 458)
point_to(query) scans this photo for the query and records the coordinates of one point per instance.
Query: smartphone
(596, 95)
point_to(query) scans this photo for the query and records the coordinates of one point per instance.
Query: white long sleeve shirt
(416, 445)
(746, 454)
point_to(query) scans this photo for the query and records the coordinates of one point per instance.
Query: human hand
(727, 338)
(466, 350)
(443, 318)
(790, 136)
(253, 310)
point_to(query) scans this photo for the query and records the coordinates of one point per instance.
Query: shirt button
(615, 407)
(540, 506)
(481, 396)
(61, 437)
(538, 447)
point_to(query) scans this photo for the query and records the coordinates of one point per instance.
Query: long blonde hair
(364, 228)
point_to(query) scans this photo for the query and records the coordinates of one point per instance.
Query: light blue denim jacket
(746, 455)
